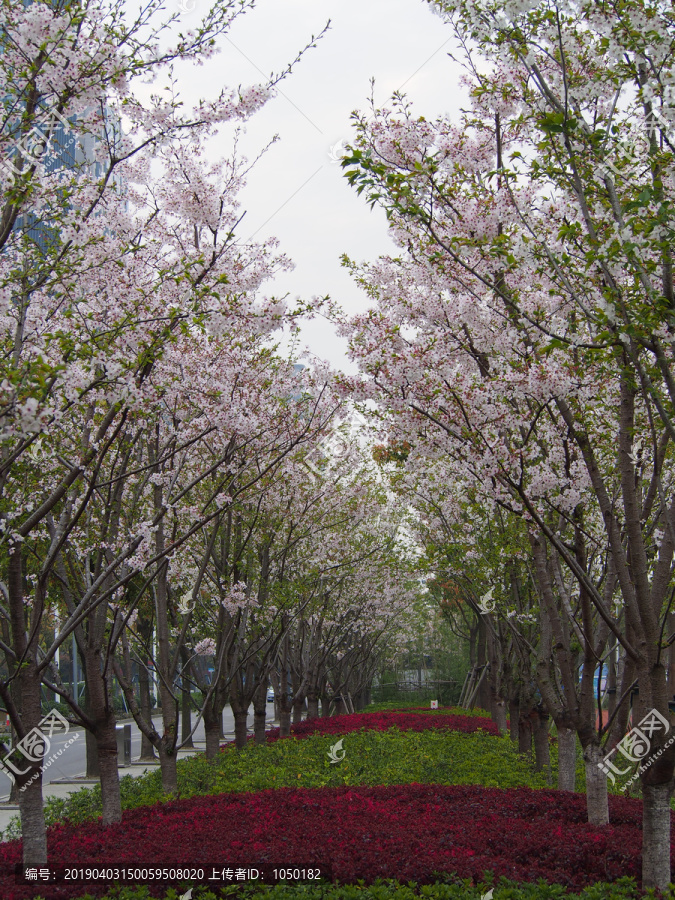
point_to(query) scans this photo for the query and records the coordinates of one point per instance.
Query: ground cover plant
(372, 757)
(410, 832)
(380, 721)
(623, 889)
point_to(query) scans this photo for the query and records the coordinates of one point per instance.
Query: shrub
(371, 758)
(415, 832)
(381, 721)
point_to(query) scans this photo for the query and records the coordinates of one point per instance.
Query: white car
(270, 695)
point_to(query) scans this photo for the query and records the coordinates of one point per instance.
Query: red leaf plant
(381, 721)
(408, 832)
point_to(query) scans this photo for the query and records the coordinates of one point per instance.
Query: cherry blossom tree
(103, 266)
(525, 331)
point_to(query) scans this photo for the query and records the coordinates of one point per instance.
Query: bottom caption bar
(266, 873)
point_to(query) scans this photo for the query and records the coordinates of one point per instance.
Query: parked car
(270, 695)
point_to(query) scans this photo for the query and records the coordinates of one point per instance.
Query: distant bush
(63, 708)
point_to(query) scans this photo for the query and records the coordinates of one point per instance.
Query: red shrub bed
(381, 721)
(408, 832)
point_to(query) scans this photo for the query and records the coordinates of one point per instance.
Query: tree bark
(525, 735)
(185, 701)
(147, 749)
(260, 714)
(670, 678)
(567, 759)
(212, 731)
(500, 716)
(312, 707)
(514, 716)
(164, 663)
(33, 830)
(167, 761)
(596, 787)
(240, 729)
(106, 748)
(260, 727)
(284, 722)
(27, 692)
(93, 769)
(542, 755)
(31, 809)
(298, 706)
(656, 836)
(483, 698)
(102, 714)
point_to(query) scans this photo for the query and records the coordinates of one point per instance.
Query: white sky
(297, 193)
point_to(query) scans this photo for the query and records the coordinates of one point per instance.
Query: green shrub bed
(371, 758)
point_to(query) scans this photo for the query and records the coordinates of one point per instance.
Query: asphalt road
(71, 760)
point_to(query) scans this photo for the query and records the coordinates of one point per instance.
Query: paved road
(72, 759)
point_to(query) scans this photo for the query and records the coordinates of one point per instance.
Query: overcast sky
(297, 192)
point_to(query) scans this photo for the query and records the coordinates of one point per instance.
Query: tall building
(55, 144)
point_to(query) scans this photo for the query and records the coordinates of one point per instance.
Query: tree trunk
(297, 710)
(27, 686)
(260, 713)
(212, 731)
(240, 730)
(611, 679)
(670, 677)
(500, 716)
(483, 697)
(260, 727)
(165, 670)
(101, 712)
(33, 830)
(167, 762)
(312, 707)
(596, 787)
(147, 749)
(185, 702)
(284, 722)
(542, 755)
(106, 748)
(567, 759)
(325, 707)
(93, 768)
(525, 735)
(514, 716)
(655, 836)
